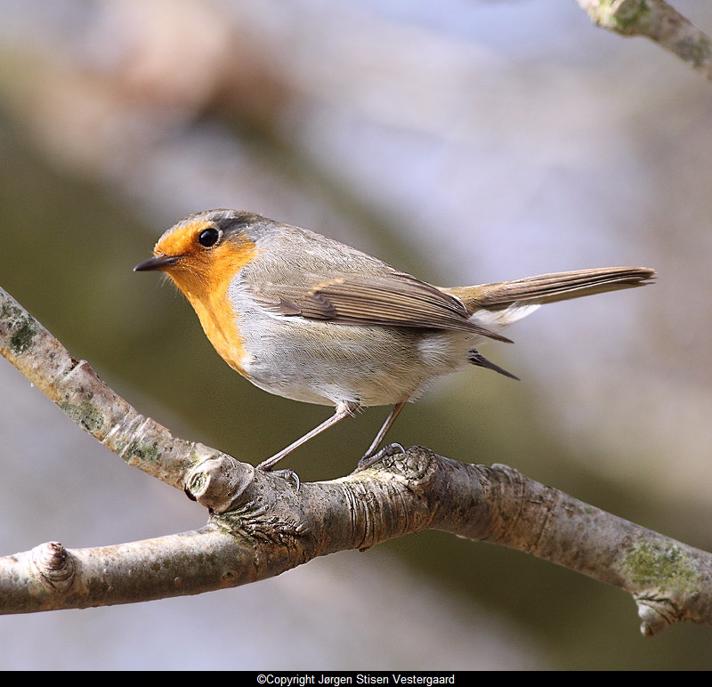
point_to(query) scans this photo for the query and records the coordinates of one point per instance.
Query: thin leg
(343, 410)
(395, 412)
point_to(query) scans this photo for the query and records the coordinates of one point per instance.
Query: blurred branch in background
(657, 20)
(262, 525)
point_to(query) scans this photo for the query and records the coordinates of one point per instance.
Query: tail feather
(476, 358)
(549, 288)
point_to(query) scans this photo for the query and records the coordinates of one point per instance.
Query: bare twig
(657, 20)
(261, 526)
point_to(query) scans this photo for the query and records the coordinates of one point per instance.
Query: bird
(311, 319)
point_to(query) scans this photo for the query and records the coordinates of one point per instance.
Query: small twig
(657, 20)
(260, 525)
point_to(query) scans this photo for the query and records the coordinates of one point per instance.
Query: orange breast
(205, 281)
(220, 324)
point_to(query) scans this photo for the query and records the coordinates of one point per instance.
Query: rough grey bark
(260, 525)
(657, 20)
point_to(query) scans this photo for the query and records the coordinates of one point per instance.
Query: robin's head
(205, 249)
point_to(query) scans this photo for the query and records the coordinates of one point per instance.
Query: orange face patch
(204, 277)
(182, 240)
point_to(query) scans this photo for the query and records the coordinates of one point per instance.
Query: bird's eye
(208, 237)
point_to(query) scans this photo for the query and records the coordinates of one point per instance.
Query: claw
(386, 452)
(286, 474)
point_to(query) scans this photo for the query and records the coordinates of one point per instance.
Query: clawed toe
(286, 474)
(387, 451)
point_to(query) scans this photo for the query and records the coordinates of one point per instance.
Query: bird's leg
(395, 412)
(343, 410)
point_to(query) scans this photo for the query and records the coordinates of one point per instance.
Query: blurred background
(465, 140)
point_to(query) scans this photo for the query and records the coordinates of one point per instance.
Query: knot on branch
(55, 565)
(668, 580)
(218, 482)
(656, 611)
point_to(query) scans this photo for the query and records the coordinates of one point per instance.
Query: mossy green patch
(21, 340)
(659, 565)
(143, 451)
(85, 414)
(22, 326)
(629, 16)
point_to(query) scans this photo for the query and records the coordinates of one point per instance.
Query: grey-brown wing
(391, 300)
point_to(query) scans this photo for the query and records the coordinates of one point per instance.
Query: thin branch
(657, 20)
(260, 525)
(76, 388)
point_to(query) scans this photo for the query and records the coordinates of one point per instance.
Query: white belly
(327, 363)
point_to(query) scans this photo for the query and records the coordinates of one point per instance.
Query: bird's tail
(507, 301)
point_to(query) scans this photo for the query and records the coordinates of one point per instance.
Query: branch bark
(260, 525)
(76, 388)
(657, 20)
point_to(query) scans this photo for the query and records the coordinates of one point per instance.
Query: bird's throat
(206, 288)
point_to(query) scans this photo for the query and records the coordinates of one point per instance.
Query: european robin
(311, 319)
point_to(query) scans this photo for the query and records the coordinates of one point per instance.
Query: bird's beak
(160, 262)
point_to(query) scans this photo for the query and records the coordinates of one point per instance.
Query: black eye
(208, 237)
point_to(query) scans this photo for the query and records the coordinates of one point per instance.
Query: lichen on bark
(663, 566)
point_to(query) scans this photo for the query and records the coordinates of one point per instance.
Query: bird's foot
(285, 473)
(386, 452)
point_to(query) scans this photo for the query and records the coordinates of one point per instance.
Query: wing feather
(390, 300)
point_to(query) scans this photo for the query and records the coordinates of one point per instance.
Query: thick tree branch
(657, 20)
(260, 525)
